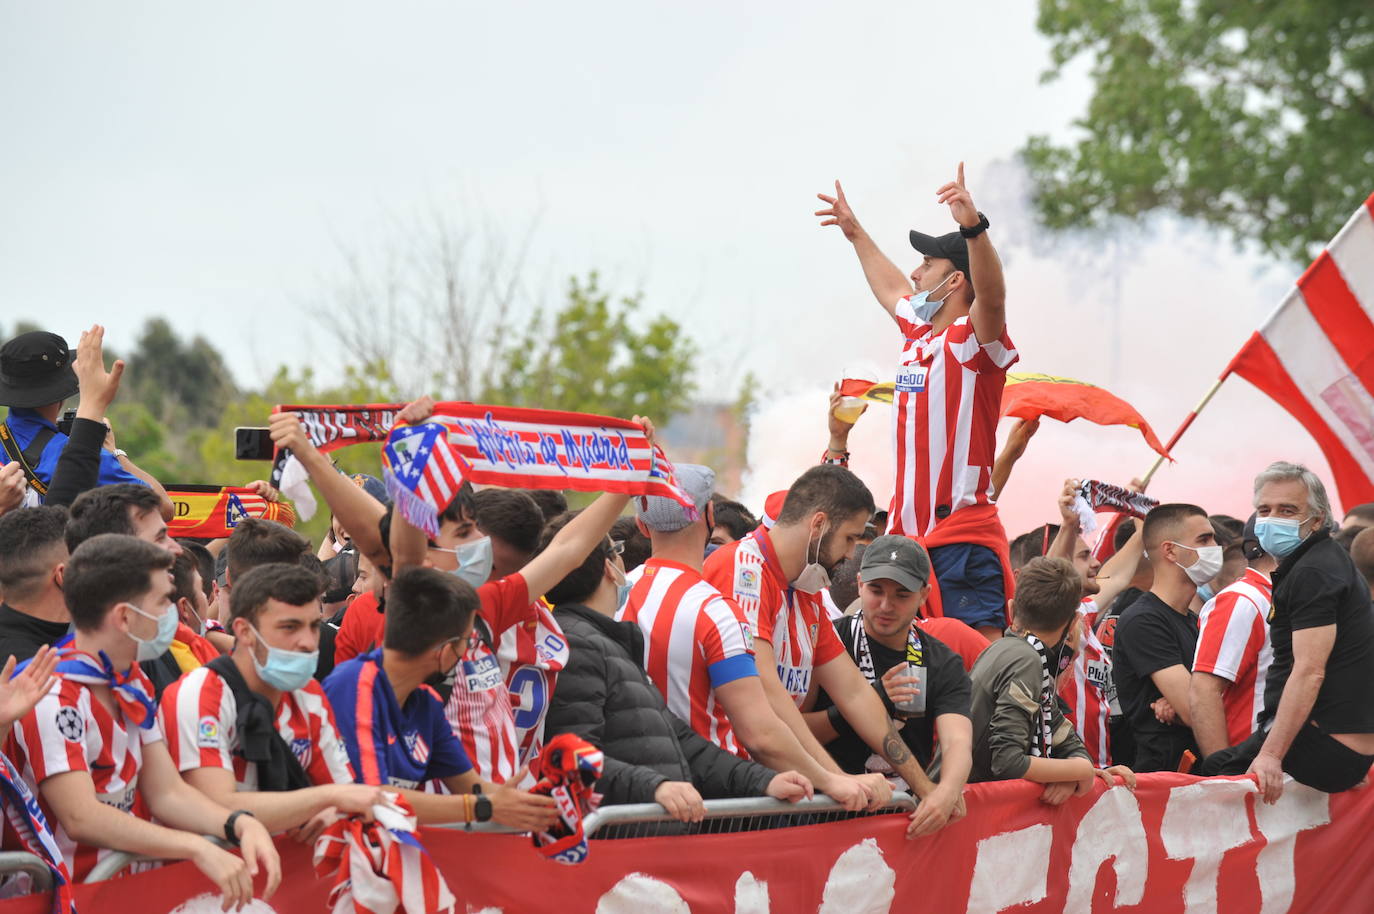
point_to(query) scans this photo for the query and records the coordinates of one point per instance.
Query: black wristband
(887, 702)
(975, 230)
(837, 721)
(229, 825)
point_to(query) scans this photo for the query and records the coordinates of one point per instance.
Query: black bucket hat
(36, 370)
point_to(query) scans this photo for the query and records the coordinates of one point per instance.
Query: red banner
(1179, 844)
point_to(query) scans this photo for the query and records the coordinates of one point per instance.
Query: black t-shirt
(947, 692)
(1151, 636)
(1314, 586)
(22, 635)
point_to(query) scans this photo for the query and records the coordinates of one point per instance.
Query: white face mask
(1207, 566)
(813, 578)
(154, 647)
(926, 309)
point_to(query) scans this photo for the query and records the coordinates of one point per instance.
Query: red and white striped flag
(1315, 355)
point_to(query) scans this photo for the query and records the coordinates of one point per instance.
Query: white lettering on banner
(1202, 822)
(1111, 830)
(860, 882)
(1299, 809)
(751, 896)
(214, 904)
(638, 893)
(997, 886)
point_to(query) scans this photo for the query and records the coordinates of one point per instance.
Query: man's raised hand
(96, 385)
(960, 202)
(839, 213)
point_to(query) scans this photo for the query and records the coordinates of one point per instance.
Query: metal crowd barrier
(729, 816)
(12, 862)
(635, 820)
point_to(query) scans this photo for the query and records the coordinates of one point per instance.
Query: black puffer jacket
(604, 696)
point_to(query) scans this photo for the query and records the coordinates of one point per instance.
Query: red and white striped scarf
(424, 465)
(380, 867)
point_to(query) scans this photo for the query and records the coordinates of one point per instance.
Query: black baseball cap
(896, 558)
(949, 247)
(36, 370)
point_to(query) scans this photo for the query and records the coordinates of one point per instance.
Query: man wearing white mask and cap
(1156, 637)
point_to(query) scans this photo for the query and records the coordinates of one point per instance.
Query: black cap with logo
(896, 558)
(36, 370)
(953, 246)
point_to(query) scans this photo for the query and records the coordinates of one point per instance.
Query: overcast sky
(207, 163)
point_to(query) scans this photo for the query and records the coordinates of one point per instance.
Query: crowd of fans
(260, 684)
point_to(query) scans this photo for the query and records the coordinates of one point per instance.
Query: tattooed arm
(864, 711)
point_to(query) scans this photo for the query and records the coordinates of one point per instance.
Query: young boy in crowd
(1019, 730)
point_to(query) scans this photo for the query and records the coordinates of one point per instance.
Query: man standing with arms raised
(953, 366)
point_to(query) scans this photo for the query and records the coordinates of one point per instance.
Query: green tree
(1256, 117)
(590, 358)
(214, 447)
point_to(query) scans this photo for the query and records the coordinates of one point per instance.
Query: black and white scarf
(863, 657)
(1042, 741)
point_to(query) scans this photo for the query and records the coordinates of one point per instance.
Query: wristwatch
(230, 822)
(976, 230)
(482, 808)
(120, 452)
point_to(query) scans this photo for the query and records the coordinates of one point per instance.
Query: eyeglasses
(617, 547)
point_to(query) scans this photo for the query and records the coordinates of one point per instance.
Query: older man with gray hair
(1318, 719)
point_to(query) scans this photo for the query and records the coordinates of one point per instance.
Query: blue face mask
(1279, 536)
(926, 309)
(474, 561)
(285, 670)
(622, 590)
(1205, 593)
(157, 645)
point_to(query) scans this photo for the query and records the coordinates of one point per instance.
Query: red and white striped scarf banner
(329, 428)
(424, 465)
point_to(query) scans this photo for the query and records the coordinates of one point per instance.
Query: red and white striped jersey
(199, 716)
(944, 420)
(1087, 687)
(69, 730)
(531, 654)
(694, 641)
(1233, 643)
(479, 710)
(796, 624)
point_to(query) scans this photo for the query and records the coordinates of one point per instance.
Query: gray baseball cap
(896, 558)
(663, 515)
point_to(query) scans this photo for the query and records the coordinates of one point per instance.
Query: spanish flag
(1029, 396)
(212, 512)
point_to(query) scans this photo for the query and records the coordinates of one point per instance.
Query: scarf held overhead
(424, 465)
(329, 428)
(212, 512)
(1093, 496)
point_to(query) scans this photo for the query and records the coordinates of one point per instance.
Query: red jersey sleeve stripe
(368, 750)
